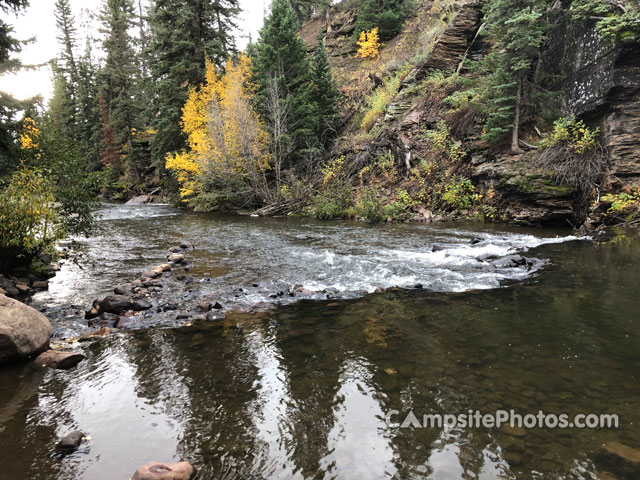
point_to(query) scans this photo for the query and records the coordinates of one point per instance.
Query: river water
(300, 387)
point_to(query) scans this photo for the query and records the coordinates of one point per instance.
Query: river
(299, 386)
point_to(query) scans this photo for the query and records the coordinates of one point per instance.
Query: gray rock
(116, 304)
(141, 305)
(139, 200)
(24, 331)
(70, 442)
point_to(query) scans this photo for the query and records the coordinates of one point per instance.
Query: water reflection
(302, 391)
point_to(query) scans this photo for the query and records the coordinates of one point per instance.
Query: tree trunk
(515, 138)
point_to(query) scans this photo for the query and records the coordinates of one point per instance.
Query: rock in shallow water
(620, 459)
(165, 471)
(70, 442)
(116, 304)
(58, 360)
(23, 330)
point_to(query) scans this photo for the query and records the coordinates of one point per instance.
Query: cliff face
(601, 85)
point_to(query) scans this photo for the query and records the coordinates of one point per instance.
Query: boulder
(91, 314)
(512, 261)
(165, 471)
(165, 267)
(41, 284)
(176, 258)
(116, 304)
(186, 246)
(24, 331)
(58, 360)
(139, 200)
(70, 442)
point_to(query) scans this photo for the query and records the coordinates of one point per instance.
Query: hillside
(394, 149)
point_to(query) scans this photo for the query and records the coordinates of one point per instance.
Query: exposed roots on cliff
(582, 171)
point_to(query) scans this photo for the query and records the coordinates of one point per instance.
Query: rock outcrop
(24, 331)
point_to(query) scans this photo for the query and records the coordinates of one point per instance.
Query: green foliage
(305, 9)
(575, 134)
(284, 84)
(29, 221)
(458, 193)
(517, 30)
(334, 203)
(325, 96)
(183, 34)
(369, 206)
(378, 102)
(623, 201)
(615, 22)
(443, 143)
(387, 15)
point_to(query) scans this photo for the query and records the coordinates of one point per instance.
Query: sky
(38, 21)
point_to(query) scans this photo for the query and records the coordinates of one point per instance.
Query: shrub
(333, 203)
(369, 206)
(381, 98)
(369, 43)
(29, 222)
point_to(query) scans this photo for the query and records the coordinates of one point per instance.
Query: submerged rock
(620, 459)
(165, 471)
(141, 305)
(58, 360)
(23, 330)
(70, 442)
(513, 261)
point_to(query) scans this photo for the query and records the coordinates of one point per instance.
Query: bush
(29, 222)
(369, 206)
(333, 203)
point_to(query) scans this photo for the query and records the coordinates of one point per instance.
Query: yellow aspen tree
(369, 44)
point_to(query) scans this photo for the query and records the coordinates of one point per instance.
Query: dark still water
(302, 390)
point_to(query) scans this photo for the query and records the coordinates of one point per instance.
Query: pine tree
(10, 108)
(282, 75)
(87, 106)
(518, 31)
(118, 77)
(67, 39)
(305, 9)
(387, 15)
(184, 34)
(325, 95)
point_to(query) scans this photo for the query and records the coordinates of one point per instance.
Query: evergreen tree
(67, 38)
(184, 33)
(387, 15)
(325, 95)
(305, 9)
(518, 31)
(119, 76)
(87, 107)
(282, 75)
(10, 108)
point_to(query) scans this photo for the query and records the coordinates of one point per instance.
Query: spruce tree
(518, 31)
(387, 15)
(325, 96)
(183, 34)
(118, 77)
(10, 108)
(284, 93)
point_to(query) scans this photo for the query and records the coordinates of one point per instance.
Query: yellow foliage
(369, 44)
(224, 133)
(30, 136)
